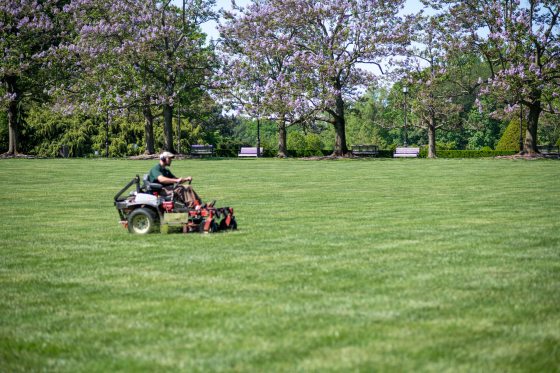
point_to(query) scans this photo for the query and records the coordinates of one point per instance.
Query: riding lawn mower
(147, 209)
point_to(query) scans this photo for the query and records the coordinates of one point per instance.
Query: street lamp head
(405, 90)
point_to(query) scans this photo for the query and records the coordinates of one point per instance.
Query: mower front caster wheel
(212, 228)
(141, 221)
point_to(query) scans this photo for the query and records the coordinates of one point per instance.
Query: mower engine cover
(145, 198)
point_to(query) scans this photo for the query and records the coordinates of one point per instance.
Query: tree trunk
(530, 145)
(149, 128)
(168, 127)
(13, 125)
(432, 137)
(340, 147)
(13, 128)
(282, 152)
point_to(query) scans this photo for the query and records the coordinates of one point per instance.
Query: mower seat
(151, 187)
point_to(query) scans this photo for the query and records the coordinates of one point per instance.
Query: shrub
(229, 148)
(300, 145)
(313, 145)
(486, 152)
(385, 153)
(510, 138)
(473, 153)
(48, 132)
(296, 143)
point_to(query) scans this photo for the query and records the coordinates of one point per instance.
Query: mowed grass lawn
(361, 265)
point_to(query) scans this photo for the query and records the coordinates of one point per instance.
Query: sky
(210, 27)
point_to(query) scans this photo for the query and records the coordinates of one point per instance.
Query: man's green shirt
(158, 170)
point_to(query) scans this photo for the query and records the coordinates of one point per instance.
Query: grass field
(374, 265)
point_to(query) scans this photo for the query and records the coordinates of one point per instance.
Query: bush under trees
(510, 139)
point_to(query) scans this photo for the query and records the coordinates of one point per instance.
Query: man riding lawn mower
(162, 202)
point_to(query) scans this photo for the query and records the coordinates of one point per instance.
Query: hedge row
(468, 153)
(231, 151)
(388, 153)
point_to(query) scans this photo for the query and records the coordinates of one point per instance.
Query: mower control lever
(175, 185)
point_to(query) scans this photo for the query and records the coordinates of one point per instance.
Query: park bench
(406, 153)
(549, 151)
(201, 150)
(370, 150)
(249, 152)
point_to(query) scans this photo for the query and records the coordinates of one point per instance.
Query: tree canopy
(134, 76)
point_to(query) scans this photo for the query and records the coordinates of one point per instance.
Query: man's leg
(167, 190)
(188, 195)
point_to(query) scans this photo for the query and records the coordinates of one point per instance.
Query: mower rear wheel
(141, 221)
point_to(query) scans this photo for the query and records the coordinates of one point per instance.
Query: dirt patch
(16, 156)
(143, 157)
(529, 157)
(329, 157)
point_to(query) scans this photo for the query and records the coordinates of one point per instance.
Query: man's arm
(170, 180)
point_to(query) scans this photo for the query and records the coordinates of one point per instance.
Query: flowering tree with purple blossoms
(138, 54)
(439, 74)
(259, 80)
(520, 41)
(322, 46)
(29, 31)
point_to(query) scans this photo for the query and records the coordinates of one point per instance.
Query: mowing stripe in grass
(407, 265)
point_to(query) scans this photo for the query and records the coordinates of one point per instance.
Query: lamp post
(405, 92)
(258, 136)
(258, 120)
(178, 131)
(520, 127)
(107, 135)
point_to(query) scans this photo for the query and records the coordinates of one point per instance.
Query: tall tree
(139, 53)
(324, 44)
(520, 41)
(440, 74)
(29, 30)
(258, 79)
